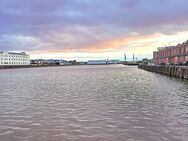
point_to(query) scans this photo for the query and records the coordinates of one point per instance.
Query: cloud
(86, 25)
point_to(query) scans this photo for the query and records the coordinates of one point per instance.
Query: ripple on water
(89, 103)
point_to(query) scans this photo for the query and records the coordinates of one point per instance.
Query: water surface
(92, 103)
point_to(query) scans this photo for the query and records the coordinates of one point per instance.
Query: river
(92, 103)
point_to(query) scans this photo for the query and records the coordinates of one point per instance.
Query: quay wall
(176, 71)
(14, 67)
(35, 66)
(26, 66)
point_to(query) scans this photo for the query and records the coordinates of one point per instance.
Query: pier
(176, 71)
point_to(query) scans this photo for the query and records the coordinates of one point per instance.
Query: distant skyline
(91, 29)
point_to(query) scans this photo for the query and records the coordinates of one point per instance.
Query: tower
(125, 57)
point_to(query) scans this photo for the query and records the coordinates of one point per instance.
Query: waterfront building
(171, 55)
(115, 61)
(43, 62)
(97, 62)
(146, 61)
(53, 62)
(14, 59)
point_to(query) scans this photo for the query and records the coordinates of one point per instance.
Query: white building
(14, 59)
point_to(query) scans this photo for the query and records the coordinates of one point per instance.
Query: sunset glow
(82, 29)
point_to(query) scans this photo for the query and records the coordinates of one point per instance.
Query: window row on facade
(14, 63)
(13, 59)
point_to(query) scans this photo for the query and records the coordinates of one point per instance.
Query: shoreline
(176, 71)
(41, 66)
(23, 67)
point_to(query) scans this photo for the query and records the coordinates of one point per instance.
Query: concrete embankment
(28, 66)
(32, 66)
(13, 67)
(177, 71)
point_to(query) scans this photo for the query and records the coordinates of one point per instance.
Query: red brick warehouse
(171, 55)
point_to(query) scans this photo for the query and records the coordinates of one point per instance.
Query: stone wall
(177, 71)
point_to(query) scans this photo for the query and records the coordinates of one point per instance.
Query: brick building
(171, 55)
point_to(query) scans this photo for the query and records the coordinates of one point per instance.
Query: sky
(91, 29)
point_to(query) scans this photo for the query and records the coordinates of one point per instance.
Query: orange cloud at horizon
(133, 42)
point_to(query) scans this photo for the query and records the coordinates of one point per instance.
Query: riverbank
(39, 66)
(28, 66)
(176, 71)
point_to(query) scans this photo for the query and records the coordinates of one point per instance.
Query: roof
(14, 53)
(96, 60)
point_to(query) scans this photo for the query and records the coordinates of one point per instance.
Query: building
(43, 62)
(146, 61)
(53, 62)
(14, 59)
(97, 62)
(171, 55)
(115, 61)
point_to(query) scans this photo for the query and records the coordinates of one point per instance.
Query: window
(186, 48)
